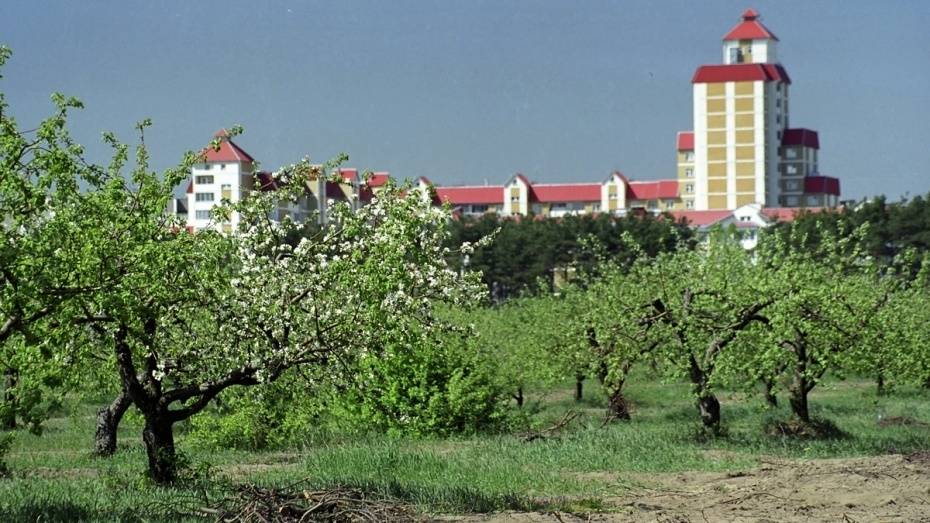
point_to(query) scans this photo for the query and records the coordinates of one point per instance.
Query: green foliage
(442, 386)
(284, 413)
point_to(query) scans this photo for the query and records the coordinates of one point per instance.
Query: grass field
(54, 477)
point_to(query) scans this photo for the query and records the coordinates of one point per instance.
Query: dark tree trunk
(707, 404)
(519, 397)
(617, 408)
(798, 401)
(709, 408)
(8, 420)
(579, 388)
(108, 419)
(880, 383)
(770, 398)
(158, 436)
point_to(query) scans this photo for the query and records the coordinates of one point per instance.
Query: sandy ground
(892, 488)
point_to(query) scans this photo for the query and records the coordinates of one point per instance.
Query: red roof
(522, 178)
(565, 192)
(479, 194)
(712, 74)
(822, 185)
(701, 218)
(227, 151)
(348, 174)
(805, 137)
(378, 179)
(788, 214)
(660, 189)
(685, 140)
(750, 28)
(190, 187)
(334, 191)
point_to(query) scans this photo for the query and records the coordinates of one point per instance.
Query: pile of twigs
(552, 431)
(252, 503)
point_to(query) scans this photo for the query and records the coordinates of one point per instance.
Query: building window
(791, 152)
(669, 204)
(202, 215)
(613, 196)
(515, 199)
(791, 169)
(207, 166)
(204, 197)
(479, 208)
(596, 206)
(222, 166)
(813, 200)
(736, 55)
(689, 172)
(689, 204)
(689, 156)
(203, 180)
(689, 188)
(791, 201)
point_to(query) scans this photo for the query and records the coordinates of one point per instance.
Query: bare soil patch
(894, 488)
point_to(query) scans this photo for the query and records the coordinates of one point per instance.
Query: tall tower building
(741, 132)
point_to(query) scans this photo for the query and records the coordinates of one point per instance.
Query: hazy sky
(469, 91)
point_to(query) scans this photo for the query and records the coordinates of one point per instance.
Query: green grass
(56, 479)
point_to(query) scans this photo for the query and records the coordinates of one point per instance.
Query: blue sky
(470, 91)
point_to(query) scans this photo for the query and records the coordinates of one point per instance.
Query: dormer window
(736, 55)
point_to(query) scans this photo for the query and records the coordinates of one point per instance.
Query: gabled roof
(685, 140)
(750, 28)
(226, 152)
(519, 176)
(822, 185)
(565, 192)
(712, 74)
(334, 191)
(788, 214)
(701, 218)
(800, 136)
(477, 194)
(657, 190)
(348, 174)
(378, 179)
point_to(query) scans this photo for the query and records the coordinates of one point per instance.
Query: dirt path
(892, 488)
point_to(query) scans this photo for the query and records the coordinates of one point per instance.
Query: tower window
(689, 188)
(689, 172)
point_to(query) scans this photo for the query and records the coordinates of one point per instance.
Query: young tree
(711, 299)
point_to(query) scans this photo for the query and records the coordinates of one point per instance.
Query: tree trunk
(707, 404)
(158, 436)
(770, 398)
(709, 408)
(108, 419)
(880, 384)
(798, 400)
(8, 420)
(519, 397)
(579, 387)
(617, 409)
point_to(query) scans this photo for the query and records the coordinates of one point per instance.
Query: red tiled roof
(348, 174)
(712, 74)
(822, 185)
(788, 214)
(750, 28)
(800, 136)
(685, 140)
(565, 192)
(701, 218)
(227, 151)
(378, 179)
(660, 189)
(479, 194)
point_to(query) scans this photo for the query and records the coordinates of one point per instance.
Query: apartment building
(742, 149)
